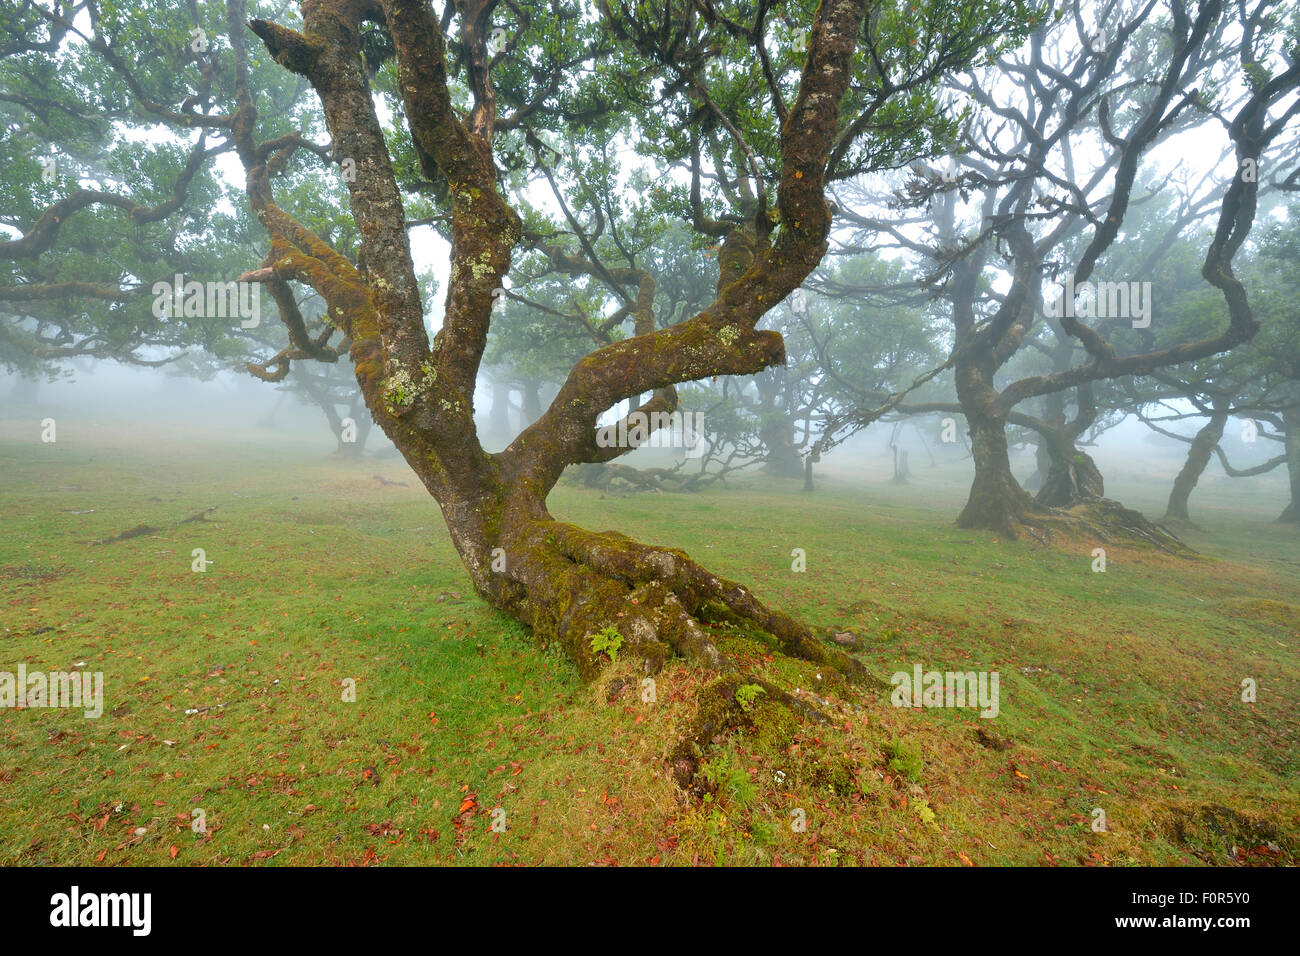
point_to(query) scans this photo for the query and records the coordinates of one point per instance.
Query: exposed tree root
(138, 531)
(657, 598)
(570, 584)
(1111, 522)
(720, 710)
(1000, 504)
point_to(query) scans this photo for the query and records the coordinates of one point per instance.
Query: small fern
(607, 641)
(747, 695)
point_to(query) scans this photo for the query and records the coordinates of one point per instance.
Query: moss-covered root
(726, 704)
(668, 594)
(1102, 518)
(1110, 520)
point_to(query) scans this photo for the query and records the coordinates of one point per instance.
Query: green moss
(926, 814)
(902, 760)
(834, 774)
(774, 725)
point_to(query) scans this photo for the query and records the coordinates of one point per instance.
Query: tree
(1258, 382)
(565, 582)
(759, 114)
(1020, 158)
(1276, 396)
(95, 219)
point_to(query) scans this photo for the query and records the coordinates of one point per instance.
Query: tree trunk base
(1003, 507)
(569, 584)
(1072, 481)
(1015, 511)
(573, 586)
(784, 465)
(1177, 522)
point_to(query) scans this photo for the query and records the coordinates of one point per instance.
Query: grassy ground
(225, 690)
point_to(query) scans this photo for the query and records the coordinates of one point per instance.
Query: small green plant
(747, 695)
(608, 642)
(902, 760)
(926, 814)
(730, 783)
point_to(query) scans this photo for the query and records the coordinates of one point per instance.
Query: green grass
(1119, 691)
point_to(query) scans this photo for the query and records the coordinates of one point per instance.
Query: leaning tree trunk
(1198, 456)
(1042, 464)
(361, 424)
(24, 392)
(354, 449)
(901, 472)
(781, 458)
(1291, 421)
(331, 413)
(530, 408)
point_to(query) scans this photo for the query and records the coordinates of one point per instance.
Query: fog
(102, 401)
(647, 433)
